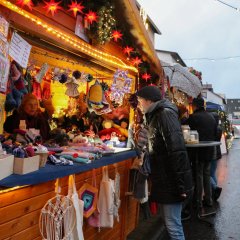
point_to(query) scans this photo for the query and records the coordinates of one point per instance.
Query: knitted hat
(151, 93)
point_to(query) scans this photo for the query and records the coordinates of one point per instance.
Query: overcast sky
(201, 28)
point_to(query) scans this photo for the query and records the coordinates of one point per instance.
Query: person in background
(30, 112)
(216, 191)
(205, 124)
(171, 176)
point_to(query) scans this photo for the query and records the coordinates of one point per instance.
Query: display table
(20, 207)
(52, 172)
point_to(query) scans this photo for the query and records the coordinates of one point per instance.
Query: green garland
(106, 24)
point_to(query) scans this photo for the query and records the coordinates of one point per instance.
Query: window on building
(232, 101)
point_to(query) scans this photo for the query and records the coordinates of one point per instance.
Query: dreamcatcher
(57, 218)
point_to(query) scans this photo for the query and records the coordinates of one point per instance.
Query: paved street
(227, 220)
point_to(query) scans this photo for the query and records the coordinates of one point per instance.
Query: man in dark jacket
(205, 124)
(170, 169)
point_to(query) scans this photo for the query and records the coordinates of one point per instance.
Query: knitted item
(37, 90)
(41, 73)
(72, 87)
(46, 88)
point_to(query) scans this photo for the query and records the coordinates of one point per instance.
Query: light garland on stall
(84, 47)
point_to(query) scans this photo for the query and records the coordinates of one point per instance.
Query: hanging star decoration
(146, 76)
(52, 6)
(116, 35)
(27, 3)
(136, 61)
(91, 17)
(76, 7)
(127, 50)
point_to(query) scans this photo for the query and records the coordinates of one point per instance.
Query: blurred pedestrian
(205, 124)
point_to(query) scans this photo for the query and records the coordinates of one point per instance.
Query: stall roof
(139, 32)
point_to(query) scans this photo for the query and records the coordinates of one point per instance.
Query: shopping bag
(78, 204)
(106, 200)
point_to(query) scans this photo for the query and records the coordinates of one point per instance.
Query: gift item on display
(59, 161)
(78, 204)
(58, 217)
(89, 194)
(96, 99)
(106, 200)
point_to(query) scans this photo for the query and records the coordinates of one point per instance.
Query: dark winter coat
(38, 122)
(205, 124)
(170, 168)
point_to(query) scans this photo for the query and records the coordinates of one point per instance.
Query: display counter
(20, 205)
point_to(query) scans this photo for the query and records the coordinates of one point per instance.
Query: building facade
(233, 107)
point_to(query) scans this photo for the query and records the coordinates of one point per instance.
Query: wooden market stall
(53, 42)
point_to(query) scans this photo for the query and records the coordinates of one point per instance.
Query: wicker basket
(43, 158)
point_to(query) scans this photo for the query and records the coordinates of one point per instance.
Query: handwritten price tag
(20, 50)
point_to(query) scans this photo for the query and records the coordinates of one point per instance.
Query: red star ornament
(52, 6)
(27, 3)
(127, 50)
(136, 61)
(91, 17)
(116, 35)
(146, 76)
(76, 7)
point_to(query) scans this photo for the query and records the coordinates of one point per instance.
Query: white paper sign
(4, 70)
(19, 50)
(4, 25)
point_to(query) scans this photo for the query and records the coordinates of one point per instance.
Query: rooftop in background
(170, 57)
(152, 24)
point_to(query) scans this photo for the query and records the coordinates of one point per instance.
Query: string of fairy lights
(75, 42)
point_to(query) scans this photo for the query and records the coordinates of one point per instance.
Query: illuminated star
(136, 61)
(52, 6)
(146, 76)
(127, 50)
(91, 17)
(116, 35)
(76, 7)
(27, 3)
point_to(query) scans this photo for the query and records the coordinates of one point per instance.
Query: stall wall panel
(20, 209)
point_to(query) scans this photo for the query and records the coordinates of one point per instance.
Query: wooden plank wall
(20, 209)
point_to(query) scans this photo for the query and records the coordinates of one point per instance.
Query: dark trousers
(204, 182)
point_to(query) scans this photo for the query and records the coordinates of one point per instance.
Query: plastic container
(193, 138)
